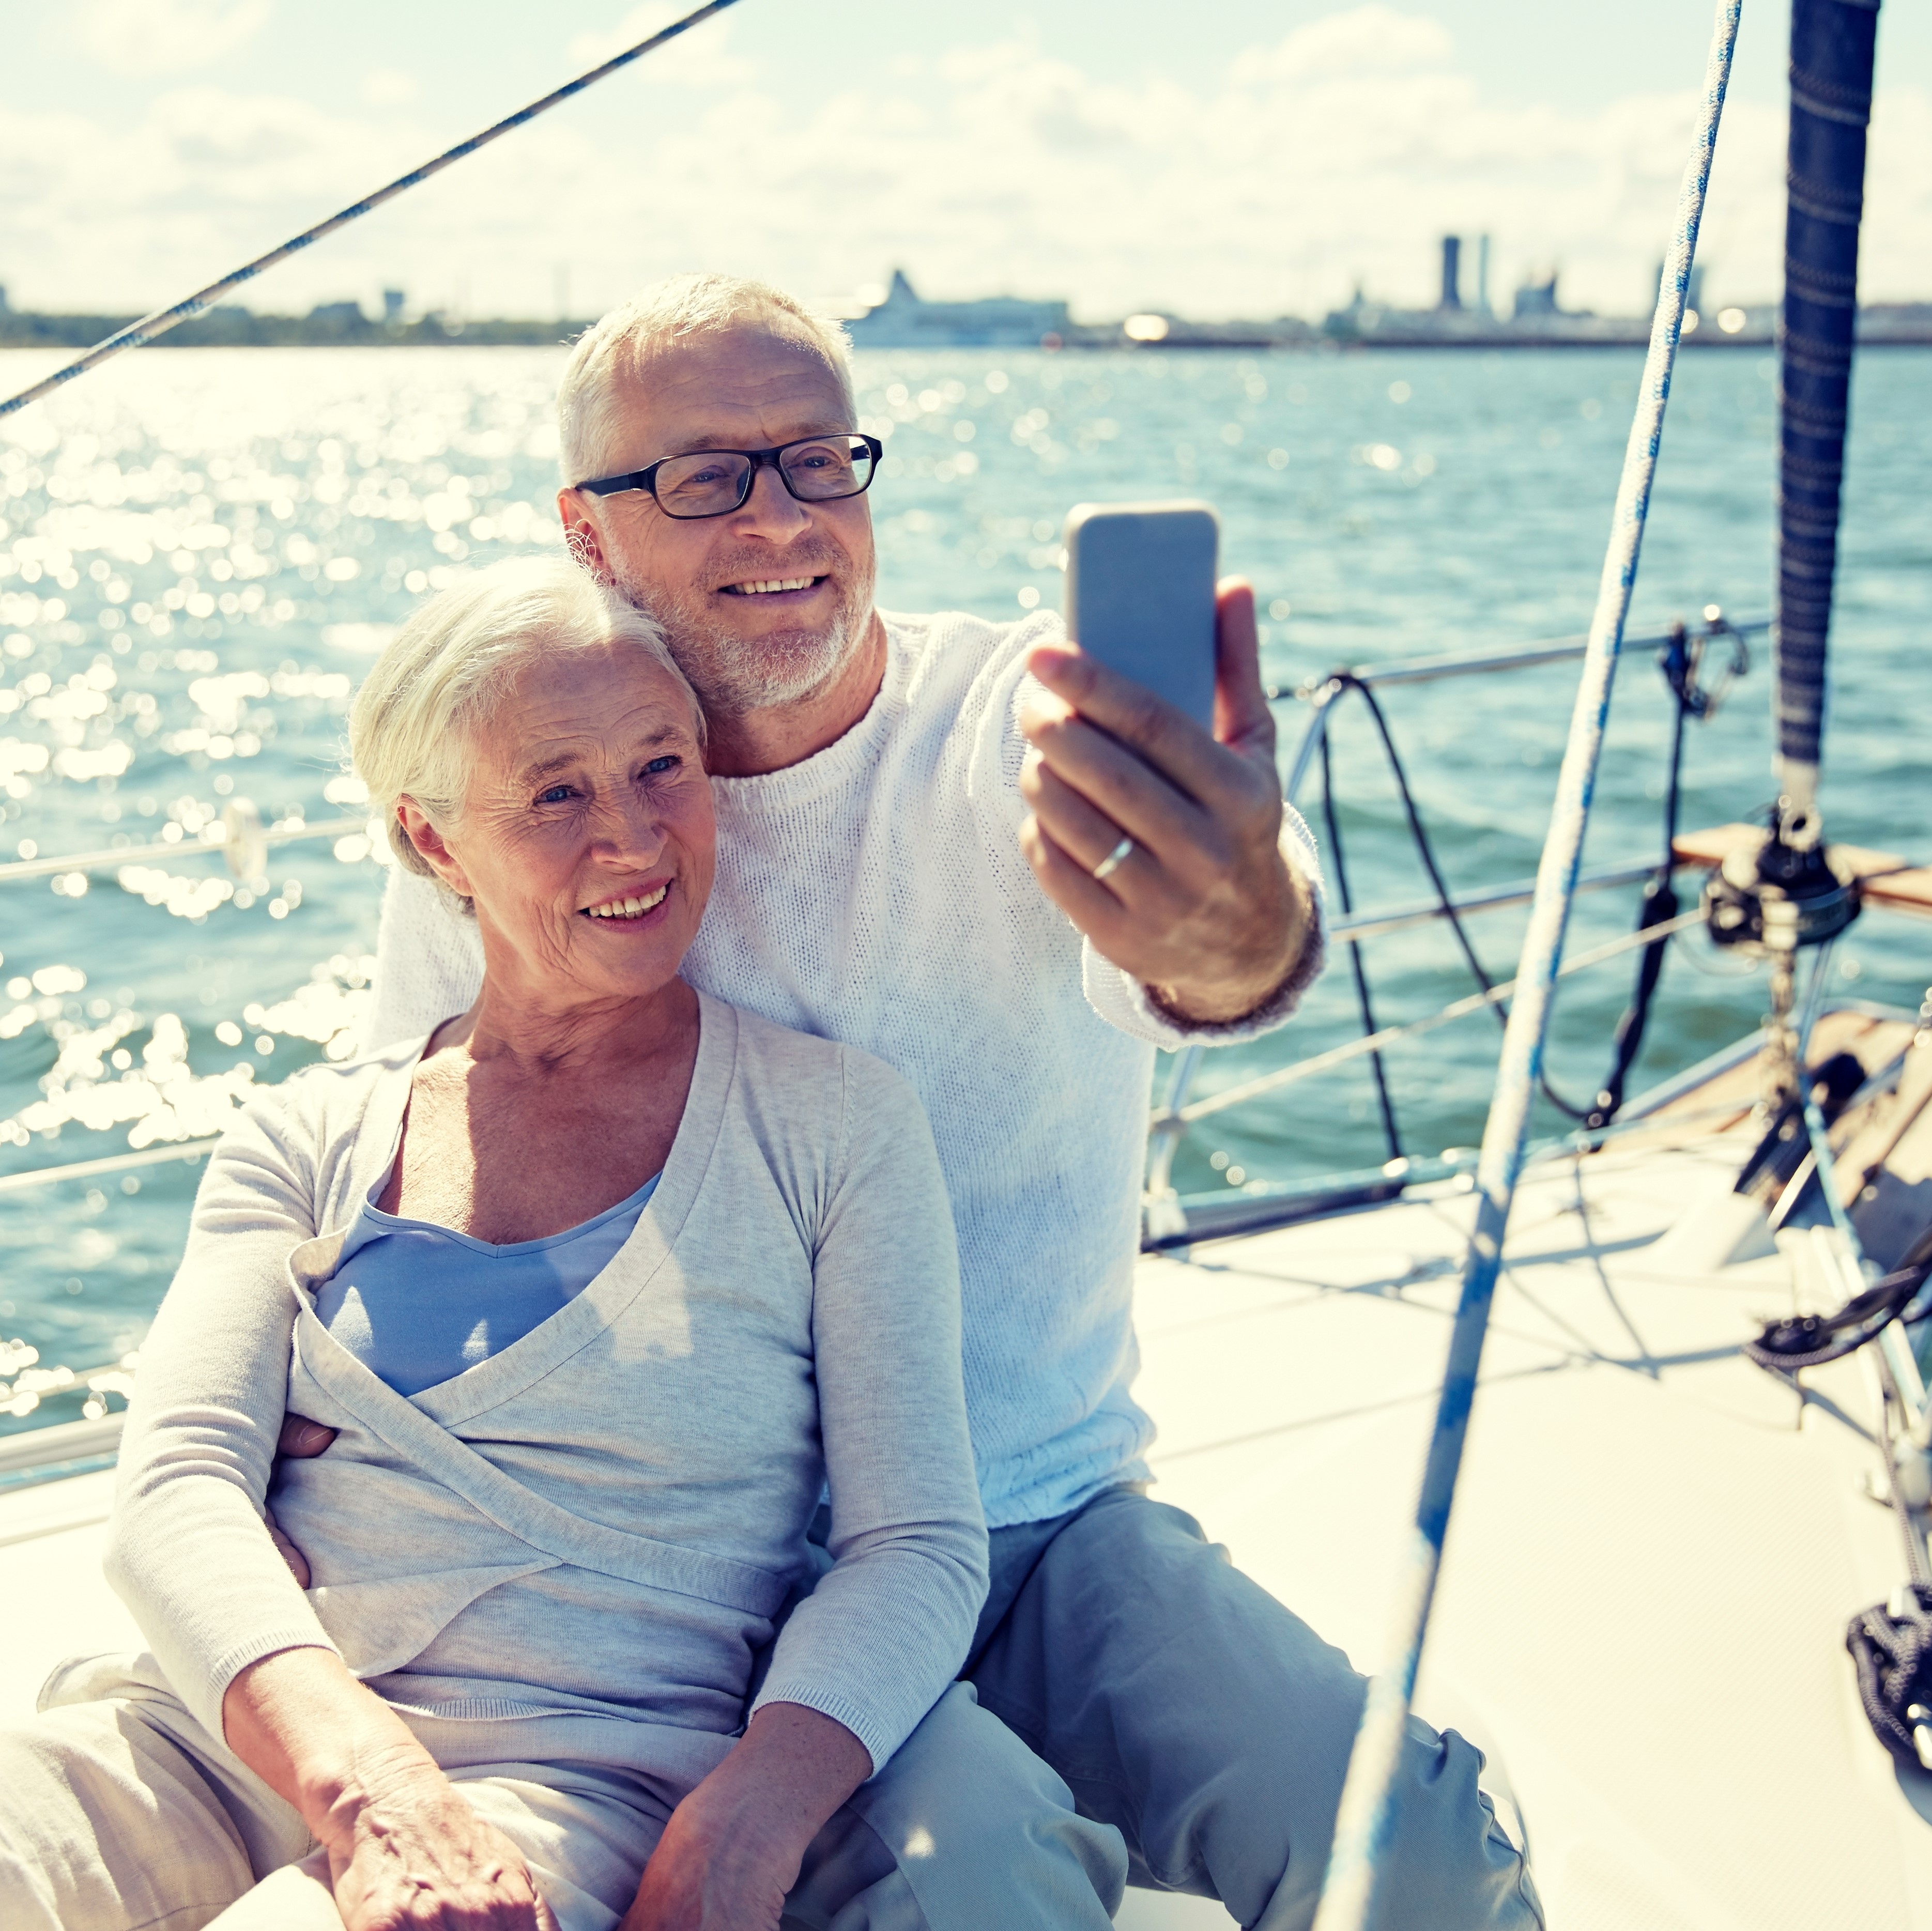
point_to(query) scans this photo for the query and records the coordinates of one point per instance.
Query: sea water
(201, 550)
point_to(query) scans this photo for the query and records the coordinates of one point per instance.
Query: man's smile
(771, 586)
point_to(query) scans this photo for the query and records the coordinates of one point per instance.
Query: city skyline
(1282, 154)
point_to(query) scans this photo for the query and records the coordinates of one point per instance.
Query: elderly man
(1011, 874)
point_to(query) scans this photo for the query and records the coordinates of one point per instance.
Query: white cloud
(1343, 150)
(386, 87)
(150, 36)
(1372, 39)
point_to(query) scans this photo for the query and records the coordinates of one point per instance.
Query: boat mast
(1784, 895)
(1832, 46)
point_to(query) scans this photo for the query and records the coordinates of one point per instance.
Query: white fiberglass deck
(1654, 1552)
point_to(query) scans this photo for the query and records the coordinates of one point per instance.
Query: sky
(1237, 157)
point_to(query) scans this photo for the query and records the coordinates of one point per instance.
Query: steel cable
(1365, 1823)
(138, 334)
(1391, 1132)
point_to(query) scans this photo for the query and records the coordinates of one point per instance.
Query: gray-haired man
(1012, 874)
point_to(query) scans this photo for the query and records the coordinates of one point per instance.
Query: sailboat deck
(1656, 1546)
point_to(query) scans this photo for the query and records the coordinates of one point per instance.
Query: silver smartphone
(1140, 596)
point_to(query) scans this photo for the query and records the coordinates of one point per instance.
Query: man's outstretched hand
(1204, 911)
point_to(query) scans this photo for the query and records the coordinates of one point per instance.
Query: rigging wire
(1365, 1822)
(138, 334)
(1298, 1070)
(1391, 1132)
(1680, 661)
(1347, 680)
(1680, 657)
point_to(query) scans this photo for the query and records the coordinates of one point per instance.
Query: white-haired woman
(602, 1285)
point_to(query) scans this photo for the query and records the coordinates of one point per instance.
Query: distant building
(906, 320)
(392, 307)
(3, 309)
(1536, 297)
(1538, 318)
(338, 314)
(1900, 322)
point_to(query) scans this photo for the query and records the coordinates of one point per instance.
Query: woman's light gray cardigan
(574, 1549)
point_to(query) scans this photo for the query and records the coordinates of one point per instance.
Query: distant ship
(905, 319)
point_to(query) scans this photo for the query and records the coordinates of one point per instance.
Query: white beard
(735, 675)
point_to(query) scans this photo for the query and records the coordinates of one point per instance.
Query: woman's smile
(630, 909)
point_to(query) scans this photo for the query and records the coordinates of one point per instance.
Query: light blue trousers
(1209, 1730)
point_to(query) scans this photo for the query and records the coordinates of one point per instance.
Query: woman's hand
(403, 1848)
(733, 1848)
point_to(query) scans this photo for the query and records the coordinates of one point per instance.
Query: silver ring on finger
(1115, 860)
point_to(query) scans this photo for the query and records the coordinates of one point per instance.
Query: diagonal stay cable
(150, 326)
(1366, 1821)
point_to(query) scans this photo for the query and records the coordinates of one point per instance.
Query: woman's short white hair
(610, 355)
(413, 726)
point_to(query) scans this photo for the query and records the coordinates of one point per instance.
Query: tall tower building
(1452, 272)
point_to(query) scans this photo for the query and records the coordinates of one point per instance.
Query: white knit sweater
(876, 893)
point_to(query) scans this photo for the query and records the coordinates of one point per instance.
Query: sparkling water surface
(200, 550)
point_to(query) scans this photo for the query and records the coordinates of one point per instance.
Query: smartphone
(1140, 596)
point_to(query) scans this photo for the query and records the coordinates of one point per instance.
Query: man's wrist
(1215, 1005)
(1228, 1000)
(772, 1794)
(748, 1845)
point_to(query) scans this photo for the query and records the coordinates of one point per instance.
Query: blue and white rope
(145, 331)
(1365, 1825)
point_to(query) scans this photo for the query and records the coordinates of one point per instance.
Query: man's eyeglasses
(715, 482)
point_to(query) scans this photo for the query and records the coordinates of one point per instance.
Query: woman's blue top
(417, 1303)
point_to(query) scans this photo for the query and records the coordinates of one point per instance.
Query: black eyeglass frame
(646, 478)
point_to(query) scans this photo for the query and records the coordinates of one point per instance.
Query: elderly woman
(603, 1286)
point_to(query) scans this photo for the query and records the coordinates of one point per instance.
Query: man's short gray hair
(444, 674)
(589, 401)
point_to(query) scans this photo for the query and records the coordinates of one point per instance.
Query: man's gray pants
(1185, 1708)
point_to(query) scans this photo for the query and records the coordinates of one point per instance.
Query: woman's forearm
(401, 1843)
(884, 1632)
(317, 1737)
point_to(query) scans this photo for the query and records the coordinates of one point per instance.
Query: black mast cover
(1832, 43)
